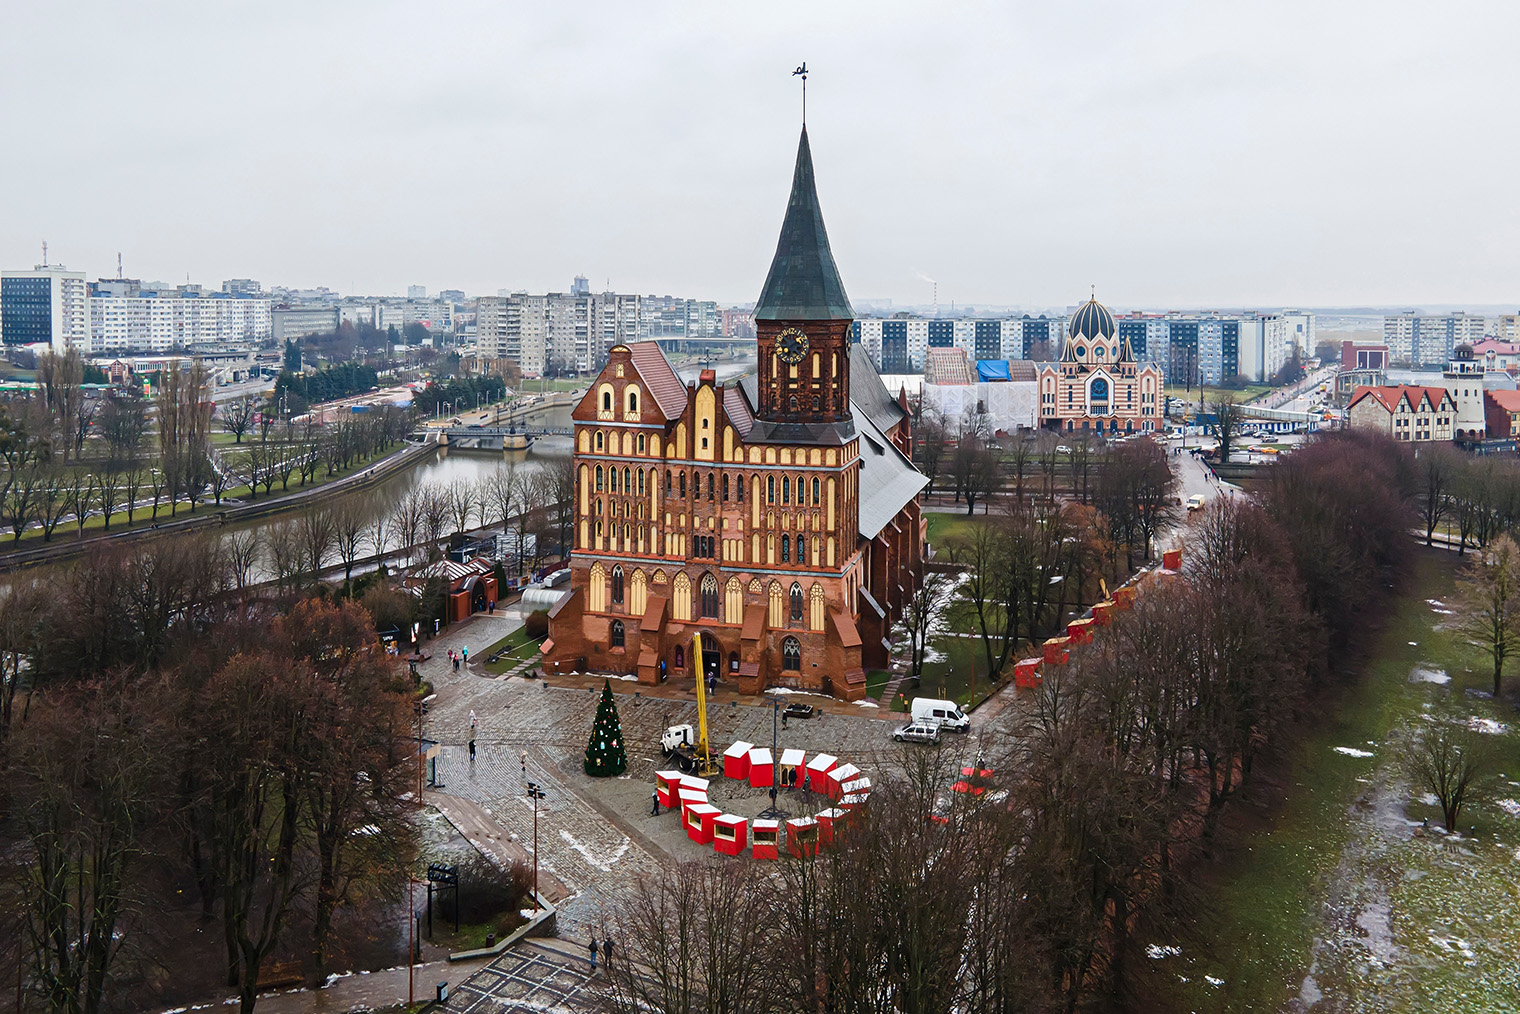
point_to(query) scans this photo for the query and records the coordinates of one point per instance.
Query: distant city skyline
(1170, 154)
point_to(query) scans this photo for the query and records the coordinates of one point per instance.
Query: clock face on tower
(791, 345)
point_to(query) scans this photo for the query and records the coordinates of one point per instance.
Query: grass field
(1346, 901)
(945, 527)
(518, 648)
(1249, 393)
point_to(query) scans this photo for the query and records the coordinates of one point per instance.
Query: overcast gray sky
(1171, 153)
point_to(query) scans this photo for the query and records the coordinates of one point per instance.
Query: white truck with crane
(691, 751)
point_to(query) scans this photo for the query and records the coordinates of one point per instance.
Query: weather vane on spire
(802, 72)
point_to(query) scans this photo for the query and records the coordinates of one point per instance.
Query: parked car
(917, 732)
(799, 711)
(1195, 502)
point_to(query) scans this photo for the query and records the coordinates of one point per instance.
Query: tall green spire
(803, 283)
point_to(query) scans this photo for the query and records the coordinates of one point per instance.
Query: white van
(944, 713)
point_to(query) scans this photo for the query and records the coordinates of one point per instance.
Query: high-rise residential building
(416, 292)
(125, 316)
(242, 287)
(556, 332)
(580, 286)
(900, 344)
(47, 304)
(1429, 339)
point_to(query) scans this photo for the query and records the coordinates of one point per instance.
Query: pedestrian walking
(456, 663)
(472, 749)
(592, 948)
(472, 723)
(607, 953)
(654, 798)
(525, 765)
(466, 654)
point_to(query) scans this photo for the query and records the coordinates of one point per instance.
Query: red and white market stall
(792, 771)
(802, 836)
(691, 797)
(818, 770)
(763, 840)
(699, 822)
(828, 820)
(856, 787)
(736, 760)
(762, 769)
(838, 776)
(667, 787)
(729, 834)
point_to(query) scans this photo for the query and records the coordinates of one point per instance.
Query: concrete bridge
(495, 438)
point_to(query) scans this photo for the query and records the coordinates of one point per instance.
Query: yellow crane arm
(696, 664)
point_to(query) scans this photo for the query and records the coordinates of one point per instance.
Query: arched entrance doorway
(712, 657)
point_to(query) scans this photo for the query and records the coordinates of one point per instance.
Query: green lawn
(945, 527)
(949, 675)
(518, 648)
(1412, 923)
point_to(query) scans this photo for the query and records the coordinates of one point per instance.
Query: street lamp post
(535, 793)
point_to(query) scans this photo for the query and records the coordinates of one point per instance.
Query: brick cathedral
(776, 516)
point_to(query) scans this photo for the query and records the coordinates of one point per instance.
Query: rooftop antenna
(44, 253)
(118, 265)
(802, 72)
(936, 299)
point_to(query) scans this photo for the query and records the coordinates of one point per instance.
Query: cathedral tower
(802, 323)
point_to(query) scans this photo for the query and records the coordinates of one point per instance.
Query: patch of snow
(526, 913)
(1414, 644)
(1420, 674)
(1487, 726)
(1156, 951)
(1213, 981)
(603, 863)
(867, 704)
(1454, 945)
(1351, 751)
(1509, 806)
(1435, 602)
(1429, 799)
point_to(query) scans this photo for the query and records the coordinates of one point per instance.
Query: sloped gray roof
(803, 283)
(888, 480)
(869, 394)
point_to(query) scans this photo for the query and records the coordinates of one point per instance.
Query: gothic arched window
(786, 489)
(599, 477)
(791, 655)
(770, 489)
(617, 583)
(791, 403)
(801, 550)
(796, 601)
(683, 484)
(617, 633)
(815, 491)
(725, 487)
(709, 595)
(786, 549)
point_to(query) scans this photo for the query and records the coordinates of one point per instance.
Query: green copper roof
(803, 283)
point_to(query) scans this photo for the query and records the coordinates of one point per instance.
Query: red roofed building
(1501, 410)
(775, 518)
(1405, 412)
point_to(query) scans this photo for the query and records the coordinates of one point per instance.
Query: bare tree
(1450, 760)
(237, 417)
(1489, 606)
(923, 617)
(241, 549)
(1438, 466)
(459, 498)
(350, 527)
(1228, 420)
(317, 528)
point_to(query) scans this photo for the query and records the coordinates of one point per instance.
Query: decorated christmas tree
(605, 755)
